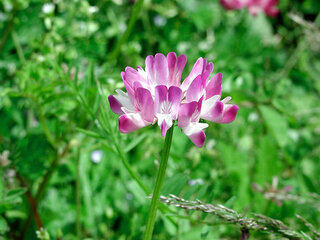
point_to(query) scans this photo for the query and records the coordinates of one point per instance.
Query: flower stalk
(158, 186)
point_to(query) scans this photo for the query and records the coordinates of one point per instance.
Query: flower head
(233, 4)
(267, 6)
(253, 6)
(157, 95)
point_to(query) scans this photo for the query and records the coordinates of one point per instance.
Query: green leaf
(90, 133)
(169, 226)
(3, 225)
(268, 164)
(134, 142)
(174, 184)
(276, 124)
(13, 195)
(205, 232)
(36, 151)
(190, 191)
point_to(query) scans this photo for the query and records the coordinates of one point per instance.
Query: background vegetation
(64, 164)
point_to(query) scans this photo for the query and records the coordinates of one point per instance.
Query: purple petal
(196, 71)
(164, 128)
(131, 122)
(123, 75)
(115, 105)
(231, 4)
(132, 75)
(137, 85)
(215, 113)
(198, 138)
(172, 62)
(206, 73)
(150, 72)
(194, 90)
(161, 69)
(214, 86)
(229, 113)
(182, 60)
(174, 97)
(196, 115)
(175, 67)
(160, 97)
(185, 113)
(149, 64)
(144, 104)
(130, 78)
(164, 122)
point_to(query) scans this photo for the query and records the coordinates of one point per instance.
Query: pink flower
(267, 6)
(233, 4)
(157, 95)
(253, 6)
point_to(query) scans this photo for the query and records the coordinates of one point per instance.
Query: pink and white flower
(254, 6)
(233, 4)
(267, 6)
(157, 95)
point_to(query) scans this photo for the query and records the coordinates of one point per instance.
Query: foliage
(59, 60)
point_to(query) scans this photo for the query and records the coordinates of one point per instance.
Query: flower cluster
(253, 6)
(157, 95)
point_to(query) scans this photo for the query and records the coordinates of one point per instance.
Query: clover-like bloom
(157, 95)
(253, 6)
(267, 6)
(233, 4)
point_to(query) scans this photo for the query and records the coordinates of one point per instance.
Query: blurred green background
(62, 156)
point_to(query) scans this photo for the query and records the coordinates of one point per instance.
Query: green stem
(18, 47)
(44, 126)
(78, 195)
(130, 170)
(134, 16)
(158, 186)
(9, 25)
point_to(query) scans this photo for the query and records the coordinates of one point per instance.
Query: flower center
(166, 107)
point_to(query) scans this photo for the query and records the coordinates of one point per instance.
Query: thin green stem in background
(134, 16)
(18, 47)
(78, 195)
(158, 186)
(9, 25)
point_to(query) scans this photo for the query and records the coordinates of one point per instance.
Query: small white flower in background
(3, 17)
(129, 196)
(11, 173)
(7, 6)
(42, 234)
(183, 46)
(93, 9)
(48, 8)
(40, 58)
(239, 81)
(96, 156)
(211, 143)
(4, 161)
(204, 45)
(159, 21)
(294, 135)
(253, 117)
(122, 26)
(193, 182)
